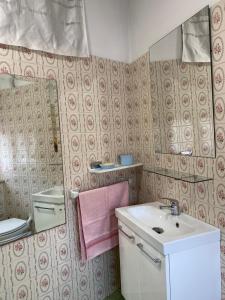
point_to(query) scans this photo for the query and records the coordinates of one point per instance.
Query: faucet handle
(172, 200)
(174, 204)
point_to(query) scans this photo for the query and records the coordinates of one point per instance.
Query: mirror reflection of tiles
(32, 193)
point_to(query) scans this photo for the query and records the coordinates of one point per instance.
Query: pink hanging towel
(98, 227)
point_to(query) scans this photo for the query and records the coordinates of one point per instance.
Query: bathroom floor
(115, 296)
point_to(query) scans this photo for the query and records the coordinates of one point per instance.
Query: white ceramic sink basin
(53, 195)
(179, 232)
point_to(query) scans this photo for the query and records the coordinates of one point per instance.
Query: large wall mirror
(31, 170)
(181, 89)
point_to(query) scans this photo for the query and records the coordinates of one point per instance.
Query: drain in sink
(158, 230)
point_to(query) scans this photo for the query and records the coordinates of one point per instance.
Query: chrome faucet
(174, 207)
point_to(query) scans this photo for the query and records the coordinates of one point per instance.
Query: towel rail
(74, 193)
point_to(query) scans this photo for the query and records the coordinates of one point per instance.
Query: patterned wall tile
(26, 145)
(204, 201)
(95, 102)
(105, 110)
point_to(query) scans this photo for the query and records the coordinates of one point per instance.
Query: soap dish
(107, 166)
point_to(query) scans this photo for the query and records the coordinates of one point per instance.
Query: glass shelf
(177, 175)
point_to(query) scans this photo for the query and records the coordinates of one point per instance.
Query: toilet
(13, 229)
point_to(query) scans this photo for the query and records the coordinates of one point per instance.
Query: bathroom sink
(153, 217)
(53, 195)
(165, 232)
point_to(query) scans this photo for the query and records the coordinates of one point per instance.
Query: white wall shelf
(116, 168)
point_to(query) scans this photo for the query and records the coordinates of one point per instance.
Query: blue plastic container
(126, 159)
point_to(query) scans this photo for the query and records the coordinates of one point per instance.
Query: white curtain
(196, 38)
(55, 26)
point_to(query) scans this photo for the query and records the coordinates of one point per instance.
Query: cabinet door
(128, 264)
(152, 272)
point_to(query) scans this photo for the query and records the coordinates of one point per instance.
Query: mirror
(181, 89)
(31, 170)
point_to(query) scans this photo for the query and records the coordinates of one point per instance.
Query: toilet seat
(12, 229)
(10, 225)
(14, 238)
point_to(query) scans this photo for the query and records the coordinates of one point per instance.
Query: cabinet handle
(131, 237)
(155, 260)
(41, 207)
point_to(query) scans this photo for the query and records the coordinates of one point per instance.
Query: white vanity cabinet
(146, 274)
(151, 262)
(129, 264)
(143, 269)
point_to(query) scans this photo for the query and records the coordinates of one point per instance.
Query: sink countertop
(52, 195)
(189, 234)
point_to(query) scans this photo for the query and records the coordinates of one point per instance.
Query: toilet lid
(10, 225)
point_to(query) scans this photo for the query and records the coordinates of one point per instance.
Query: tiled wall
(182, 107)
(98, 121)
(205, 201)
(2, 201)
(26, 145)
(105, 109)
(141, 119)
